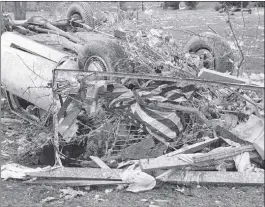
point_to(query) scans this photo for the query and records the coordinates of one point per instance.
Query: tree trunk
(20, 10)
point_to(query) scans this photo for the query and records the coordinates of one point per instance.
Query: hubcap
(95, 63)
(206, 58)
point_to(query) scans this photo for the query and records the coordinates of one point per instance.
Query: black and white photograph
(132, 103)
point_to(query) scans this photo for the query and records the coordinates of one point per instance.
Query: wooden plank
(99, 162)
(162, 163)
(171, 160)
(218, 76)
(197, 160)
(223, 153)
(222, 132)
(79, 173)
(229, 162)
(191, 148)
(228, 166)
(216, 177)
(75, 182)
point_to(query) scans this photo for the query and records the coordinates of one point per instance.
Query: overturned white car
(33, 48)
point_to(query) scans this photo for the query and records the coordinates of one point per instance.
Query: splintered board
(75, 182)
(216, 177)
(79, 173)
(162, 163)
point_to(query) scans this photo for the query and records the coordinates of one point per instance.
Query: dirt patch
(165, 196)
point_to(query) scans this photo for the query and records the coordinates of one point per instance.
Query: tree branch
(237, 43)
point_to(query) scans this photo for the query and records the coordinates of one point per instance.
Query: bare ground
(16, 194)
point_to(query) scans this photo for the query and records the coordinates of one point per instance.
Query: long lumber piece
(199, 160)
(79, 173)
(171, 160)
(97, 74)
(99, 162)
(163, 163)
(225, 133)
(223, 153)
(216, 177)
(192, 148)
(75, 182)
(213, 75)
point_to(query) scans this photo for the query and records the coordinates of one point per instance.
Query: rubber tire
(109, 50)
(84, 10)
(217, 45)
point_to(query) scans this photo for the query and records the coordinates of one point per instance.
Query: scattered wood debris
(161, 113)
(79, 173)
(210, 177)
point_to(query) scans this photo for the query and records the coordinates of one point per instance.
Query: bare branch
(237, 43)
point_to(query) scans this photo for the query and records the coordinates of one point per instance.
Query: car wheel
(100, 55)
(82, 11)
(217, 52)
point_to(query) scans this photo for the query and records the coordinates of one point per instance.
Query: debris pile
(161, 118)
(163, 130)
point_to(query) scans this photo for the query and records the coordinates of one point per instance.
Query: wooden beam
(192, 148)
(213, 75)
(223, 153)
(75, 182)
(216, 177)
(79, 173)
(162, 163)
(99, 162)
(171, 159)
(222, 132)
(195, 161)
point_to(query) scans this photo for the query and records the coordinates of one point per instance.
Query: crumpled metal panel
(11, 39)
(29, 76)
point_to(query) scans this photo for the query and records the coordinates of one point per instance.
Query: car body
(26, 68)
